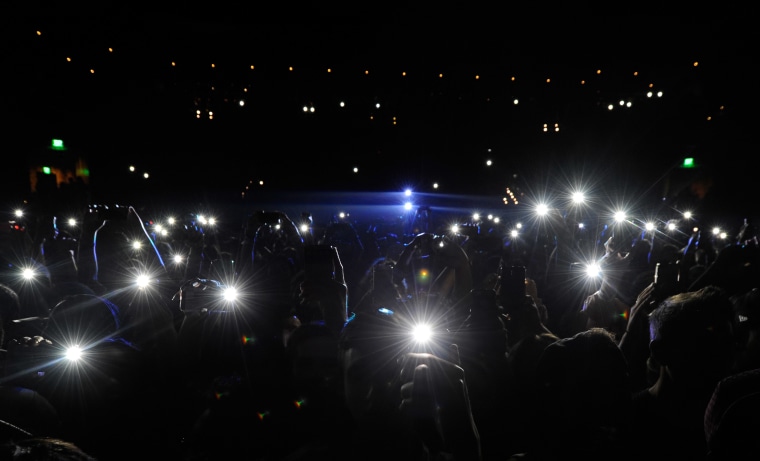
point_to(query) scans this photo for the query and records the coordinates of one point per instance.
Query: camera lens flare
(422, 333)
(593, 270)
(423, 276)
(142, 281)
(230, 294)
(73, 353)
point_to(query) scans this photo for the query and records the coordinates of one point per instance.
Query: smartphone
(382, 276)
(513, 283)
(667, 280)
(318, 262)
(269, 217)
(483, 300)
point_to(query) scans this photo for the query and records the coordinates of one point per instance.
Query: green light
(46, 169)
(688, 162)
(57, 144)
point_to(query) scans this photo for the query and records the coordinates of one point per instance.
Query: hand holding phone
(513, 287)
(323, 290)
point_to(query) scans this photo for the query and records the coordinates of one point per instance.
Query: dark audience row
(274, 342)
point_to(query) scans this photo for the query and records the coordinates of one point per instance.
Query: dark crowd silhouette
(272, 341)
